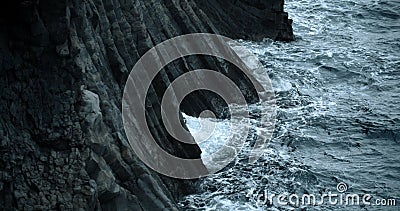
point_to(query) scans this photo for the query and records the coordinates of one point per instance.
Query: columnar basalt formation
(62, 72)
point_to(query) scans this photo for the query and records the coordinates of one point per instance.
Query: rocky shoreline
(63, 68)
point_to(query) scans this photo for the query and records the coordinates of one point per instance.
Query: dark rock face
(62, 71)
(249, 19)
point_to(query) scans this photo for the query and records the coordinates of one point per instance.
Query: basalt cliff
(63, 67)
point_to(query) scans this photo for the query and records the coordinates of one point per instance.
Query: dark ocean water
(338, 94)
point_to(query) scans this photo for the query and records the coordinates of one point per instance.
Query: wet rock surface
(62, 71)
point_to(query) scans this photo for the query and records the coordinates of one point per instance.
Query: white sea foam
(200, 128)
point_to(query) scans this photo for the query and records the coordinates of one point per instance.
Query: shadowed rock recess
(62, 71)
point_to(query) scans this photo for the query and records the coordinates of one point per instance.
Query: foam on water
(209, 144)
(338, 92)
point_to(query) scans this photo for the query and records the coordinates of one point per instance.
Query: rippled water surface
(338, 92)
